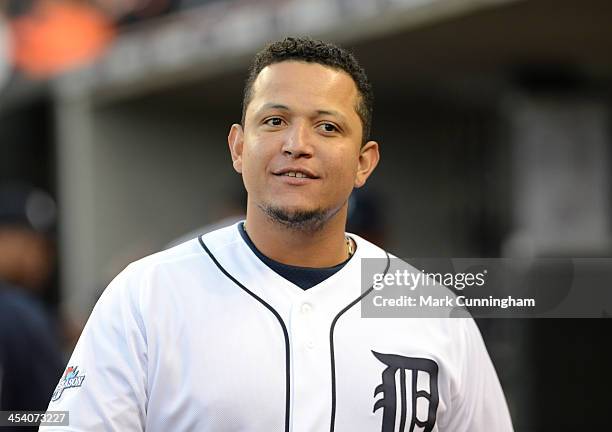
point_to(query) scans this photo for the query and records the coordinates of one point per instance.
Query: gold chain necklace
(349, 244)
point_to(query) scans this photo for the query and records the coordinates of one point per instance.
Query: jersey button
(310, 345)
(306, 308)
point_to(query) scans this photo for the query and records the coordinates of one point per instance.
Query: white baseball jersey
(205, 337)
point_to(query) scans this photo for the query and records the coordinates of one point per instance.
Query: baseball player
(257, 326)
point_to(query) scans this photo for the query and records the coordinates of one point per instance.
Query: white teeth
(295, 174)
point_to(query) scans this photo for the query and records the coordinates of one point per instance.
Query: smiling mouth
(296, 174)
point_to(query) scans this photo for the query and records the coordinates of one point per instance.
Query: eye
(328, 127)
(274, 121)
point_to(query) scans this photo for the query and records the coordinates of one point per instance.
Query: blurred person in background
(49, 37)
(30, 357)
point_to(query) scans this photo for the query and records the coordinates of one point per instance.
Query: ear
(235, 140)
(368, 159)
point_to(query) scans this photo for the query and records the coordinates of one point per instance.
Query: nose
(298, 141)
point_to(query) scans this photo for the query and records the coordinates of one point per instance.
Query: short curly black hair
(315, 51)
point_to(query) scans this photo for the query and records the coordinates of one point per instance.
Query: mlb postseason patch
(70, 379)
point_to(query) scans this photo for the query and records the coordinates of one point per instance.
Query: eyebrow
(331, 113)
(271, 105)
(282, 107)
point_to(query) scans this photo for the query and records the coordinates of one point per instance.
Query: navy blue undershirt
(304, 277)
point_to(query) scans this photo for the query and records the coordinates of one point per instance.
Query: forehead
(308, 86)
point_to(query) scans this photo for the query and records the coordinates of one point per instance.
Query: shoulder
(188, 253)
(176, 268)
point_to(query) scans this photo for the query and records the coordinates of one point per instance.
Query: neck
(324, 247)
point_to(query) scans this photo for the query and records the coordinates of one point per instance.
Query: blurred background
(493, 116)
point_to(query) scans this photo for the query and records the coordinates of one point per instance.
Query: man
(257, 326)
(30, 355)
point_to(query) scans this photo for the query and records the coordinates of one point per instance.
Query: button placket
(308, 363)
(306, 312)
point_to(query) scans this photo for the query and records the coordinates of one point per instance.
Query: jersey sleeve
(103, 387)
(478, 403)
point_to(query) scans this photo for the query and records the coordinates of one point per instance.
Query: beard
(300, 219)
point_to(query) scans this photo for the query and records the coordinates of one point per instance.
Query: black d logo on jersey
(394, 379)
